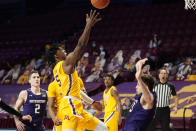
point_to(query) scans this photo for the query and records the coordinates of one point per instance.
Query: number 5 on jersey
(58, 80)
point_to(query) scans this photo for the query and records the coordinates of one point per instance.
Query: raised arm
(117, 98)
(73, 57)
(146, 94)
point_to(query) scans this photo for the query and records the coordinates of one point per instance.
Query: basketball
(97, 106)
(100, 4)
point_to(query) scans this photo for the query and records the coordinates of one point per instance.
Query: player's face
(138, 89)
(163, 75)
(61, 54)
(34, 80)
(108, 81)
(188, 61)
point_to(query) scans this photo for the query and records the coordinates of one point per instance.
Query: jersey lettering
(58, 80)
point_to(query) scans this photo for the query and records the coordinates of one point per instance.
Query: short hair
(33, 71)
(49, 57)
(110, 75)
(162, 69)
(149, 81)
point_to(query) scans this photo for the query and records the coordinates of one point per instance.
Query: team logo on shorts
(66, 117)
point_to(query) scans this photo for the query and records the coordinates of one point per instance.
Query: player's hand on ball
(97, 105)
(27, 117)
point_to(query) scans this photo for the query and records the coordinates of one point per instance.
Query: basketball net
(190, 4)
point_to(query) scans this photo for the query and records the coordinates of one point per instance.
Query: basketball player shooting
(66, 76)
(143, 108)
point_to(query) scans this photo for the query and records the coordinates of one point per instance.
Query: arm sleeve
(173, 90)
(10, 109)
(86, 98)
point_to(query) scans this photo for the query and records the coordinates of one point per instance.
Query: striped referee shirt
(164, 91)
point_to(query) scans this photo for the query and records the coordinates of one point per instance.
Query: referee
(164, 90)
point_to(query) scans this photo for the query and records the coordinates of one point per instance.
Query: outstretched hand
(139, 65)
(92, 18)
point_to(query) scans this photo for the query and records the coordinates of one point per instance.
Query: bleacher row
(122, 27)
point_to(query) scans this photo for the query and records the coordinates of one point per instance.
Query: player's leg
(91, 123)
(152, 126)
(69, 114)
(111, 121)
(69, 123)
(157, 118)
(101, 127)
(80, 129)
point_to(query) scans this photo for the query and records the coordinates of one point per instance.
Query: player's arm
(52, 103)
(102, 104)
(147, 95)
(114, 93)
(73, 57)
(9, 109)
(52, 111)
(86, 98)
(12, 111)
(96, 105)
(19, 102)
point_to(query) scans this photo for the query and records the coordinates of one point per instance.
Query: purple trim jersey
(139, 118)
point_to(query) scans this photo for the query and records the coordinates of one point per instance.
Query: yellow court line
(179, 101)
